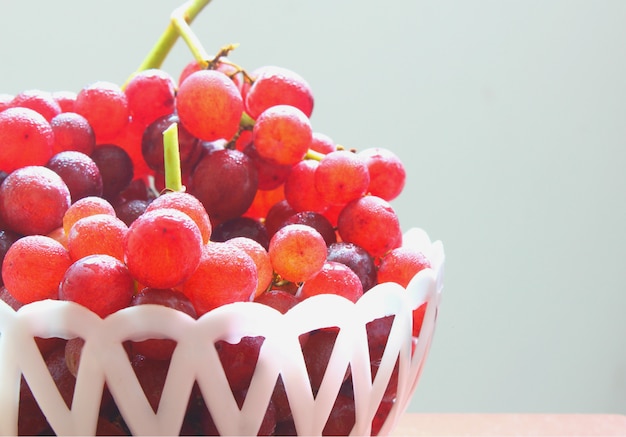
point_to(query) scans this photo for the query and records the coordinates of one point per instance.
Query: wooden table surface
(539, 425)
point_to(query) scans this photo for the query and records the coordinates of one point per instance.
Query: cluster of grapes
(270, 211)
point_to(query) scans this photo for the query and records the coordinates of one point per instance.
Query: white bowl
(104, 358)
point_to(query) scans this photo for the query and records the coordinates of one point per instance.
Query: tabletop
(539, 425)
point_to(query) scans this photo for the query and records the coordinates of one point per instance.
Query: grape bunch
(267, 209)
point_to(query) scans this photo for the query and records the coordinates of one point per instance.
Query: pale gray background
(511, 119)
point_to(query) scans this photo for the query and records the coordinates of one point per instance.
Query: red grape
(333, 278)
(278, 86)
(341, 176)
(370, 222)
(283, 134)
(85, 207)
(97, 234)
(225, 274)
(33, 200)
(116, 169)
(27, 139)
(225, 181)
(33, 267)
(261, 259)
(400, 265)
(163, 248)
(65, 99)
(300, 189)
(39, 101)
(100, 283)
(188, 204)
(150, 95)
(387, 172)
(72, 132)
(105, 106)
(79, 172)
(209, 105)
(297, 252)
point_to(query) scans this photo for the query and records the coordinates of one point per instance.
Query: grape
(101, 283)
(97, 234)
(280, 300)
(116, 169)
(297, 252)
(105, 106)
(316, 352)
(322, 143)
(387, 172)
(39, 101)
(33, 267)
(278, 86)
(191, 67)
(333, 278)
(282, 134)
(79, 172)
(151, 375)
(209, 105)
(317, 221)
(225, 181)
(271, 174)
(64, 380)
(300, 189)
(84, 207)
(242, 227)
(7, 238)
(160, 349)
(400, 265)
(357, 258)
(370, 222)
(163, 248)
(276, 216)
(342, 417)
(239, 360)
(65, 99)
(139, 189)
(152, 144)
(341, 176)
(31, 420)
(188, 204)
(72, 132)
(261, 259)
(27, 139)
(73, 349)
(130, 210)
(129, 139)
(225, 274)
(150, 95)
(33, 200)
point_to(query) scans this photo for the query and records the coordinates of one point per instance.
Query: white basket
(104, 358)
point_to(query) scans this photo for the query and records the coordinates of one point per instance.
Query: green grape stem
(171, 155)
(180, 19)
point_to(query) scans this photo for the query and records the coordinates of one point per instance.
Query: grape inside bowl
(373, 403)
